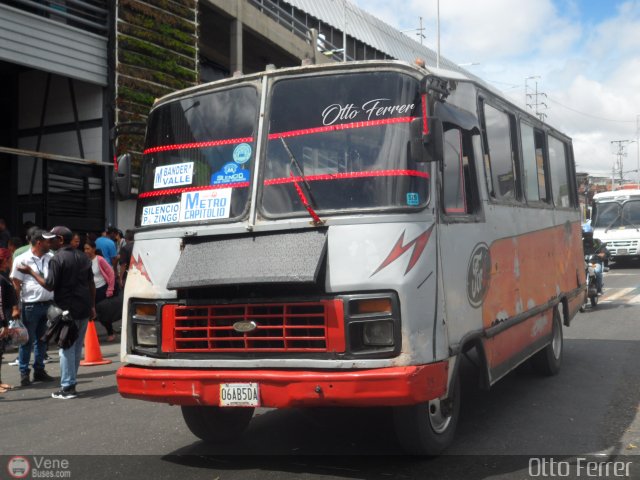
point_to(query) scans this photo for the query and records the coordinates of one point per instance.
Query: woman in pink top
(104, 278)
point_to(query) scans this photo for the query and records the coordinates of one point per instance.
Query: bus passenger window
(454, 200)
(559, 177)
(533, 161)
(542, 165)
(502, 185)
(459, 186)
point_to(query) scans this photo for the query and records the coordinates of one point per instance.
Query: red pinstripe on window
(176, 191)
(425, 119)
(342, 126)
(189, 146)
(348, 175)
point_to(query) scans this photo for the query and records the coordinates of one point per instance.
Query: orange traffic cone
(92, 353)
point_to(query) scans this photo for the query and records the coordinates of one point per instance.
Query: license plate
(622, 251)
(239, 395)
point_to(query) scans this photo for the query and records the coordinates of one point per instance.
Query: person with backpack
(71, 280)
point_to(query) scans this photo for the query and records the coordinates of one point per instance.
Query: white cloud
(589, 66)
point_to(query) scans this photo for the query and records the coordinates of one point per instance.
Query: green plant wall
(156, 53)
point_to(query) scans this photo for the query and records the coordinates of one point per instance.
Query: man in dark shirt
(71, 280)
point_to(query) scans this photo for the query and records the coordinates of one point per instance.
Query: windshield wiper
(316, 219)
(629, 222)
(611, 224)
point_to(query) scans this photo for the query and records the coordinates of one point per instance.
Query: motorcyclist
(596, 252)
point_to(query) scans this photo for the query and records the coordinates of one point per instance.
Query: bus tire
(428, 428)
(216, 424)
(548, 360)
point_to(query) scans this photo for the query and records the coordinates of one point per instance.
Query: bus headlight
(378, 333)
(145, 325)
(373, 324)
(147, 335)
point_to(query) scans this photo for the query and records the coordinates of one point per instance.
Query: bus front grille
(273, 327)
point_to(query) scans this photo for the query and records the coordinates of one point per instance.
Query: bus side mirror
(426, 147)
(122, 177)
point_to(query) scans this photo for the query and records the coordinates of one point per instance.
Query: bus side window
(533, 162)
(454, 198)
(543, 166)
(559, 176)
(500, 156)
(458, 176)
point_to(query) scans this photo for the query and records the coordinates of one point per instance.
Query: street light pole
(438, 56)
(344, 31)
(638, 150)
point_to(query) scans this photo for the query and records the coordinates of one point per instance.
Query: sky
(584, 53)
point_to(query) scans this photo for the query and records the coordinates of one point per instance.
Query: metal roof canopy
(368, 29)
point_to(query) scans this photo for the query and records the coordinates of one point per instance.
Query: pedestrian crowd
(58, 271)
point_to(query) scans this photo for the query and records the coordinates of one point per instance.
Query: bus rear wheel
(216, 424)
(428, 428)
(548, 360)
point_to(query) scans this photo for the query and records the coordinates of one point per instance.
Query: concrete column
(236, 41)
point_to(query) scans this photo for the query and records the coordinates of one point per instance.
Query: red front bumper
(289, 388)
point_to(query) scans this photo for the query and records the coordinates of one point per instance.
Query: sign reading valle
(169, 176)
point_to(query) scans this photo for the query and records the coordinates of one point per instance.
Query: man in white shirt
(34, 301)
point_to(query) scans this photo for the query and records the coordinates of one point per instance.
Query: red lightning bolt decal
(398, 249)
(138, 265)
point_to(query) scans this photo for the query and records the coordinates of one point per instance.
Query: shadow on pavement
(500, 430)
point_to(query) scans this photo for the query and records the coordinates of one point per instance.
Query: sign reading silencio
(168, 176)
(205, 205)
(159, 214)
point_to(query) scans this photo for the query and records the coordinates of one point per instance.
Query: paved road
(591, 407)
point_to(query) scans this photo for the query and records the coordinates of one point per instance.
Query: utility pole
(620, 154)
(532, 100)
(419, 31)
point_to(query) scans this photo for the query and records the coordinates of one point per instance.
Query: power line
(589, 114)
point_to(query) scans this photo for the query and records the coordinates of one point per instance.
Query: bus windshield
(340, 142)
(617, 215)
(198, 158)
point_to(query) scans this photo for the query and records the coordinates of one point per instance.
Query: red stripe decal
(342, 176)
(342, 126)
(187, 146)
(176, 191)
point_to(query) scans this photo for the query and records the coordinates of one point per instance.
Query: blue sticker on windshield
(413, 199)
(242, 153)
(230, 173)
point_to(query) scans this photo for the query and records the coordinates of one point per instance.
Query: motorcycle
(591, 262)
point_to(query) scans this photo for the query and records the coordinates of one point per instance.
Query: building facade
(77, 80)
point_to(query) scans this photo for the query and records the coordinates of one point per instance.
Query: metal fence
(284, 18)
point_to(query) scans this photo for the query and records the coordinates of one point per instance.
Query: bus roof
(617, 195)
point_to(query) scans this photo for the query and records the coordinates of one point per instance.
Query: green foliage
(157, 54)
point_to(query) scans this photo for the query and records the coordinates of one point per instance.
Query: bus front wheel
(216, 424)
(428, 428)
